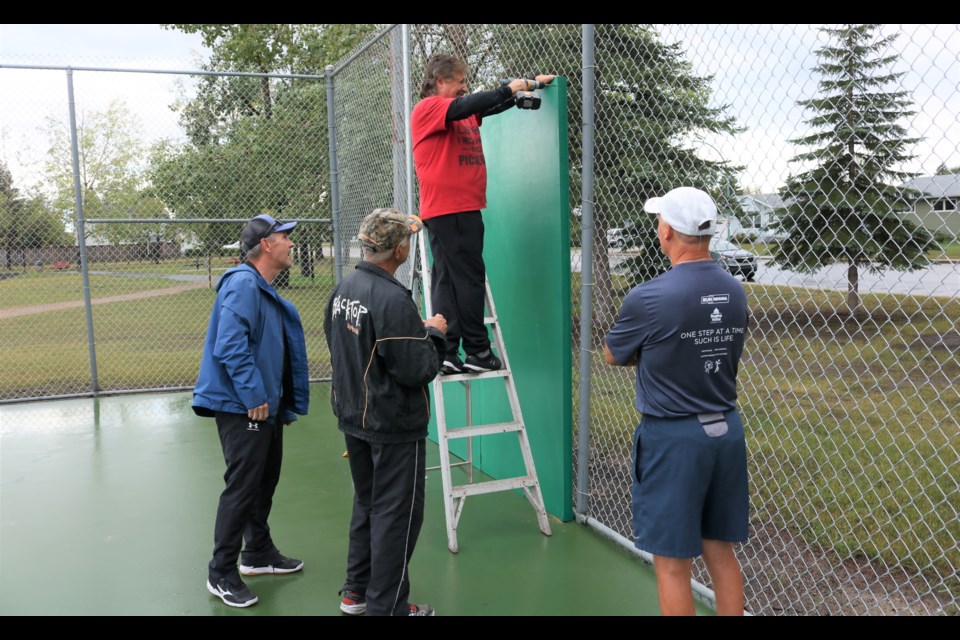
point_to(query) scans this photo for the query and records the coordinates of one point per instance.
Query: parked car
(737, 261)
(615, 237)
(768, 236)
(760, 235)
(630, 235)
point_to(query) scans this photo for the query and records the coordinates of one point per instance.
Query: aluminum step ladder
(454, 496)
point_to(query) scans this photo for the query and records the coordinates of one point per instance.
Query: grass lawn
(44, 287)
(852, 423)
(149, 343)
(945, 252)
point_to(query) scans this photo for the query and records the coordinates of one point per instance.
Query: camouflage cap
(386, 228)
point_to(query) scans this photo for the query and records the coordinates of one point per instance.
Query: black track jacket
(383, 357)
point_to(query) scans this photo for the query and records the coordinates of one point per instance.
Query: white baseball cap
(687, 210)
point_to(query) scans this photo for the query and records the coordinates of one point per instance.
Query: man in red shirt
(452, 172)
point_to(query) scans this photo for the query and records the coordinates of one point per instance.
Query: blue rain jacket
(242, 363)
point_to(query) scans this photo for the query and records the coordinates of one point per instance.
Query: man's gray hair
(440, 65)
(254, 252)
(382, 256)
(686, 238)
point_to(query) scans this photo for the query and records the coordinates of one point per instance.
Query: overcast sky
(29, 97)
(759, 70)
(97, 44)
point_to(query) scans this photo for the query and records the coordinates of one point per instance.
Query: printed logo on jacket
(352, 311)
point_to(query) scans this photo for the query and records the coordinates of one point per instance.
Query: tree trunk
(853, 291)
(457, 34)
(265, 93)
(604, 312)
(305, 254)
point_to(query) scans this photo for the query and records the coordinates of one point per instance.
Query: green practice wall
(527, 254)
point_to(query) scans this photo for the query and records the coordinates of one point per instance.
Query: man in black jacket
(383, 356)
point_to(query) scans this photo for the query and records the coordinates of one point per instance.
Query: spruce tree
(845, 209)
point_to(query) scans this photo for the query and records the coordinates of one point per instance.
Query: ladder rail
(455, 496)
(498, 339)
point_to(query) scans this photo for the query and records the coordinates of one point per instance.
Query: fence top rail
(195, 72)
(188, 220)
(334, 69)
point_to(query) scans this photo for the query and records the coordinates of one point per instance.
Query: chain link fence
(157, 198)
(831, 151)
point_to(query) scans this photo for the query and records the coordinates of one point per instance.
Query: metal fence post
(81, 234)
(334, 176)
(586, 274)
(407, 108)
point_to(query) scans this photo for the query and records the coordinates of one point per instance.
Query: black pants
(253, 452)
(388, 484)
(459, 277)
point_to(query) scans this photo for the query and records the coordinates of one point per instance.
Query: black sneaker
(421, 610)
(452, 365)
(352, 602)
(280, 565)
(486, 360)
(234, 594)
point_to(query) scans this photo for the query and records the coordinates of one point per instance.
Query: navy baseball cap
(261, 227)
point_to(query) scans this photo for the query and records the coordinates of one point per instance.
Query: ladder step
(492, 486)
(452, 465)
(467, 377)
(528, 483)
(482, 429)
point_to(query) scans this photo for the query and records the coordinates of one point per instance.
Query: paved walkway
(71, 304)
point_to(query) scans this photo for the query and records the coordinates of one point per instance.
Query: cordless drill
(527, 99)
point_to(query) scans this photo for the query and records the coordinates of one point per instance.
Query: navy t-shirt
(687, 327)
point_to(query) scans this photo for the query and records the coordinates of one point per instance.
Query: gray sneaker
(280, 565)
(452, 365)
(352, 602)
(421, 610)
(486, 360)
(234, 594)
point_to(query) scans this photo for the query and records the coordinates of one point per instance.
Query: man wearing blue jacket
(254, 381)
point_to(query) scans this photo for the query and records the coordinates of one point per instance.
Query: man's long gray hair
(440, 65)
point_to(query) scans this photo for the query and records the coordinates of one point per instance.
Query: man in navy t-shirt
(684, 331)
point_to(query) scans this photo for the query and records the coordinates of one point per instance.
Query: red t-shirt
(448, 158)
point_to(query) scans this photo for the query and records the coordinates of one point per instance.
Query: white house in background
(756, 213)
(938, 207)
(728, 226)
(759, 210)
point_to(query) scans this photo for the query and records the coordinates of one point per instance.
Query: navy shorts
(689, 483)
